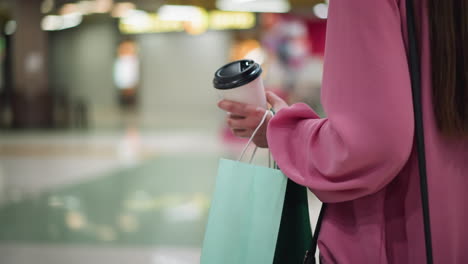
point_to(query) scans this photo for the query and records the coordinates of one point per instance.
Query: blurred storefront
(104, 63)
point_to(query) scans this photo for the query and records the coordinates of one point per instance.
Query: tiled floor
(128, 197)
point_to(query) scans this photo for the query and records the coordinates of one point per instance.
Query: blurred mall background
(109, 131)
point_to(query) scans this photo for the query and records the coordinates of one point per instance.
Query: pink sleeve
(368, 135)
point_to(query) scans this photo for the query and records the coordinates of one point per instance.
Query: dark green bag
(295, 234)
(295, 242)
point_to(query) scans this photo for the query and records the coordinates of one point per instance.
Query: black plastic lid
(236, 74)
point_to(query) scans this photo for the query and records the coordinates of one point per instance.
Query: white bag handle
(252, 137)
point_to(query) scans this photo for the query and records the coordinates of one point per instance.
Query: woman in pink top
(361, 159)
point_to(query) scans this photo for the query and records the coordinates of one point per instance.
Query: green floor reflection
(163, 201)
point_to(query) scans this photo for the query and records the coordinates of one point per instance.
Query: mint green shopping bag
(257, 216)
(245, 215)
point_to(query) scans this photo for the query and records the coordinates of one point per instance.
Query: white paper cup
(240, 81)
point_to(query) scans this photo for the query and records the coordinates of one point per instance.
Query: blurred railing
(44, 110)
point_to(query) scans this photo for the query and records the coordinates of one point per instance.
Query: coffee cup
(240, 81)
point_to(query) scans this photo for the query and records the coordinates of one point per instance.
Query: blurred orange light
(195, 27)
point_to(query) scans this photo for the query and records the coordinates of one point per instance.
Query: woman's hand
(243, 119)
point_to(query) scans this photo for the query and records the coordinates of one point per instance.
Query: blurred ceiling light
(47, 6)
(195, 18)
(321, 11)
(137, 18)
(72, 20)
(122, 9)
(52, 23)
(103, 6)
(69, 9)
(10, 27)
(180, 13)
(260, 6)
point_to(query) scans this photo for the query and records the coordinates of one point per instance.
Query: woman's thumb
(274, 100)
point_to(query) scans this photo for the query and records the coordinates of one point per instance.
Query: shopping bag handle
(267, 112)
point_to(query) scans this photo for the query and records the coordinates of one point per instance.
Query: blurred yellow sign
(141, 22)
(222, 20)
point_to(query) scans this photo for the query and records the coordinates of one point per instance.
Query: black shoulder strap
(310, 254)
(414, 66)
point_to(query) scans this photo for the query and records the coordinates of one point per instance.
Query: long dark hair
(449, 54)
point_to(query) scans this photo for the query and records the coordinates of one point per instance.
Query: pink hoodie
(361, 158)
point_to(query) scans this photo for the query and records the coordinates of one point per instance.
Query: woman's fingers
(250, 122)
(242, 119)
(242, 133)
(230, 115)
(238, 109)
(235, 123)
(272, 98)
(275, 101)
